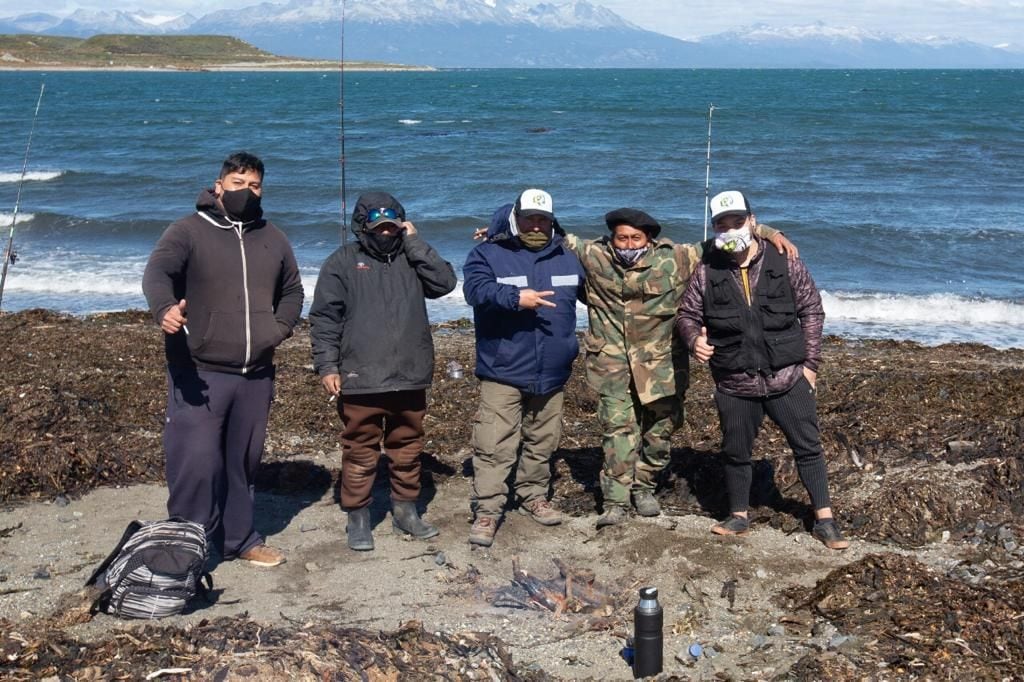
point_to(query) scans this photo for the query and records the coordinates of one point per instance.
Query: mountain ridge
(510, 33)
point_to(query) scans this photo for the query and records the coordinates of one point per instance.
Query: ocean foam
(935, 309)
(31, 176)
(409, 121)
(7, 218)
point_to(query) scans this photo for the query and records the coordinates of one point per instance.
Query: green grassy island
(174, 53)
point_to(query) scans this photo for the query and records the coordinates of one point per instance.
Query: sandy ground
(50, 549)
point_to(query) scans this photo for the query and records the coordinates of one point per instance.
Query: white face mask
(734, 241)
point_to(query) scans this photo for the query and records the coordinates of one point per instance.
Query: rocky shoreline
(925, 449)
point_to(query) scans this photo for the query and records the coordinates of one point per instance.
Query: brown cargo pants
(394, 419)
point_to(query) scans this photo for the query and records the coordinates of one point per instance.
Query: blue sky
(990, 22)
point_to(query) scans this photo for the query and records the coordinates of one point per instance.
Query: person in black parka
(373, 350)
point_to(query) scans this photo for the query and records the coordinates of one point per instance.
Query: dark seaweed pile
(923, 444)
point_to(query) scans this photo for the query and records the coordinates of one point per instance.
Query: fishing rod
(341, 108)
(707, 176)
(9, 255)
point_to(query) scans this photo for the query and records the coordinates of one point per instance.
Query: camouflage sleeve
(765, 231)
(575, 244)
(688, 258)
(690, 315)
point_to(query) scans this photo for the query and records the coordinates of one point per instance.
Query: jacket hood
(633, 217)
(503, 225)
(371, 200)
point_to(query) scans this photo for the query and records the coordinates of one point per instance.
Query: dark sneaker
(613, 515)
(483, 530)
(646, 503)
(541, 511)
(263, 555)
(827, 531)
(734, 525)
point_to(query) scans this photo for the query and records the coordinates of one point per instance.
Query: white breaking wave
(931, 320)
(31, 176)
(409, 121)
(7, 218)
(934, 309)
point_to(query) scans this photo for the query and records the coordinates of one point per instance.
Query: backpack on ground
(156, 568)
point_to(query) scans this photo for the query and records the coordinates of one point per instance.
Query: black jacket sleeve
(436, 274)
(163, 282)
(327, 315)
(288, 302)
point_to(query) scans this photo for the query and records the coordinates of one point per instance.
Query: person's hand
(479, 233)
(702, 350)
(531, 300)
(332, 384)
(784, 245)
(174, 318)
(812, 377)
(409, 227)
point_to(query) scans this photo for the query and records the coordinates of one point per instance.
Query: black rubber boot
(405, 518)
(360, 537)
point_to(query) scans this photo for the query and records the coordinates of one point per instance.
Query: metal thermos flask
(647, 637)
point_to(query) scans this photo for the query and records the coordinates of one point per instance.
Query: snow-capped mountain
(820, 45)
(523, 33)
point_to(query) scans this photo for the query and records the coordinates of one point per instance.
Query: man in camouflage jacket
(634, 360)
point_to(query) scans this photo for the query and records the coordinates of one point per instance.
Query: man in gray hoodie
(224, 287)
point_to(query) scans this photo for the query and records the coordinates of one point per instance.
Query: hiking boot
(357, 532)
(541, 511)
(483, 530)
(646, 503)
(614, 514)
(405, 518)
(734, 525)
(827, 531)
(263, 555)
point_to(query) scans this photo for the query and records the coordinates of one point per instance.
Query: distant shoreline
(222, 67)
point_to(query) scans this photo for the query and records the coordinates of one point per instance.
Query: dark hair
(239, 162)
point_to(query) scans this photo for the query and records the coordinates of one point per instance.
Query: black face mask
(384, 244)
(241, 204)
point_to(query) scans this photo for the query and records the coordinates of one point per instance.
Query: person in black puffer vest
(756, 319)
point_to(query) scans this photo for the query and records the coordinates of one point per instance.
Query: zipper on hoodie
(245, 293)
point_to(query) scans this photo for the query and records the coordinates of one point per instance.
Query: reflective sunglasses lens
(376, 214)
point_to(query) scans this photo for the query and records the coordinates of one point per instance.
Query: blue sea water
(901, 188)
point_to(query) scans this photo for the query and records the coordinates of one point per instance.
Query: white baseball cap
(535, 202)
(729, 203)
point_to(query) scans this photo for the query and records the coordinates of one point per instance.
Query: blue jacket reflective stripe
(532, 350)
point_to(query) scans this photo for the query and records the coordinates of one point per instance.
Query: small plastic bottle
(648, 644)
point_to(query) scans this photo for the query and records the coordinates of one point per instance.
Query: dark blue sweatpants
(213, 443)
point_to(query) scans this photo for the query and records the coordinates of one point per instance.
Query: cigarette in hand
(332, 399)
(185, 327)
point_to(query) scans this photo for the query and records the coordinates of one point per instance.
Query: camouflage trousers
(637, 442)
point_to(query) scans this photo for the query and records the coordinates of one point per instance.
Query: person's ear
(218, 187)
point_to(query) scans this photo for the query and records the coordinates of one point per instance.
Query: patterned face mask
(734, 241)
(629, 257)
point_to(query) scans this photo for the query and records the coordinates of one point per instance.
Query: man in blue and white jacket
(523, 284)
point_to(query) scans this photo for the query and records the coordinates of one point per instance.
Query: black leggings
(795, 412)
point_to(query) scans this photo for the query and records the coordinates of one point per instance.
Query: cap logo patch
(539, 200)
